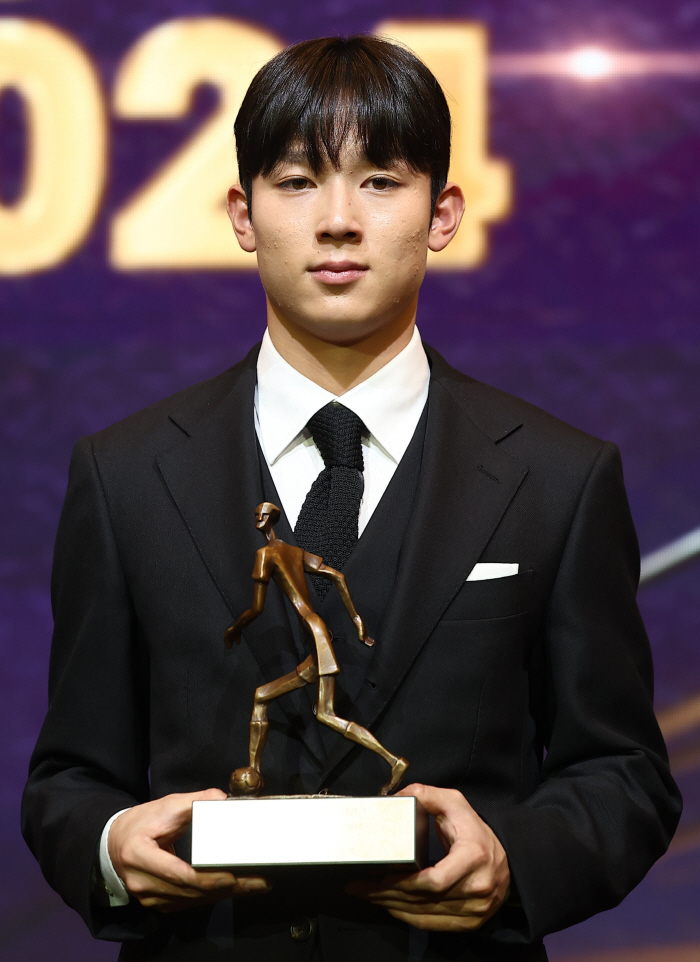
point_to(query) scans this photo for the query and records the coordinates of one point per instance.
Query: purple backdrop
(586, 305)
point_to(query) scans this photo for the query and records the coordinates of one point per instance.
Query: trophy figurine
(287, 564)
(301, 833)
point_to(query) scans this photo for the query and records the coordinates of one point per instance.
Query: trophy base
(288, 831)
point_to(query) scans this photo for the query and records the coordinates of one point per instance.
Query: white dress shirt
(389, 403)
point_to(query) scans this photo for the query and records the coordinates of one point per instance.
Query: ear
(447, 217)
(238, 212)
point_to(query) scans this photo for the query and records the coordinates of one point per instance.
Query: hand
(233, 635)
(465, 888)
(141, 848)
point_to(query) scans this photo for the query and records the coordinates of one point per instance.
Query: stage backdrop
(574, 282)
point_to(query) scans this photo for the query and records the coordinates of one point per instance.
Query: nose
(338, 219)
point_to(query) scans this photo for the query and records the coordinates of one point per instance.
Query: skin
(140, 846)
(460, 892)
(342, 256)
(339, 328)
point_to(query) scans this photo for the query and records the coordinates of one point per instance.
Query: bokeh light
(591, 63)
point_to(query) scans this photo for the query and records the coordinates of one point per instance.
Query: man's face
(341, 254)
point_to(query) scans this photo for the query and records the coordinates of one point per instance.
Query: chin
(341, 330)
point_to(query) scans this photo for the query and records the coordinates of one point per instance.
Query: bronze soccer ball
(245, 781)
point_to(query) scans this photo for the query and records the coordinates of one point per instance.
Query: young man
(496, 568)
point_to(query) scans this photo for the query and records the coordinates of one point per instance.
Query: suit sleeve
(91, 759)
(606, 807)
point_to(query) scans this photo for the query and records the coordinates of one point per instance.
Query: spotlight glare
(591, 63)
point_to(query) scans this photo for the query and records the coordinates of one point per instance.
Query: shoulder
(165, 423)
(524, 430)
(312, 561)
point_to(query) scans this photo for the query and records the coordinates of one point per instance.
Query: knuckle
(126, 855)
(210, 794)
(435, 884)
(138, 887)
(150, 901)
(480, 853)
(211, 883)
(483, 888)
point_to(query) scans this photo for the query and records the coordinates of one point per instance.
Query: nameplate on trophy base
(280, 831)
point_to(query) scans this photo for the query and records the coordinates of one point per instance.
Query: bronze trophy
(274, 831)
(287, 564)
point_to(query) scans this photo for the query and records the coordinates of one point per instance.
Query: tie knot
(337, 433)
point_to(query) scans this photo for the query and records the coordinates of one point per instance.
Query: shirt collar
(389, 402)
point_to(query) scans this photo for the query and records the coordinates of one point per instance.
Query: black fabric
(370, 572)
(327, 522)
(471, 679)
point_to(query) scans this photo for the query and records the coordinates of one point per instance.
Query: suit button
(302, 929)
(315, 708)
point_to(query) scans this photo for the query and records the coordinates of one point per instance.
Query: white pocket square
(492, 569)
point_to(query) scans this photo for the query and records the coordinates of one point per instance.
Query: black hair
(316, 93)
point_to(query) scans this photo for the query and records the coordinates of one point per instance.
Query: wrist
(117, 892)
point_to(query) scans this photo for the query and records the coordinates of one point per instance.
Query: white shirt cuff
(116, 890)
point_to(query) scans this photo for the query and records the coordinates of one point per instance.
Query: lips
(338, 272)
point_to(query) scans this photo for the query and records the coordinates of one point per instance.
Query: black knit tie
(327, 523)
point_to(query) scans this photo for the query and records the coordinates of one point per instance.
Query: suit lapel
(213, 476)
(465, 486)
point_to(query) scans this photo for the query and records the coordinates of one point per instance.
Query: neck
(339, 367)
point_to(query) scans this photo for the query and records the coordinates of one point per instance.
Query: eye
(380, 182)
(295, 183)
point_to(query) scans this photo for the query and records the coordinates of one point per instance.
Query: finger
(174, 813)
(454, 871)
(145, 886)
(415, 887)
(380, 882)
(156, 893)
(164, 818)
(439, 923)
(247, 887)
(439, 801)
(457, 895)
(149, 859)
(444, 879)
(386, 888)
(363, 887)
(478, 906)
(175, 903)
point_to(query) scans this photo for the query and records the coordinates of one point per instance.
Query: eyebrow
(293, 156)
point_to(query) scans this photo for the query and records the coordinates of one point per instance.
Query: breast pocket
(492, 598)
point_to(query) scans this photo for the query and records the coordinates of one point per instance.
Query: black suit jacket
(532, 694)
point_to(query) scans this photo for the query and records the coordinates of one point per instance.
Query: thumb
(208, 795)
(438, 801)
(176, 810)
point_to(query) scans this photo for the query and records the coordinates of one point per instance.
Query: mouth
(338, 272)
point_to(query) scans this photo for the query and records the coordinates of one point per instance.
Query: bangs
(318, 95)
